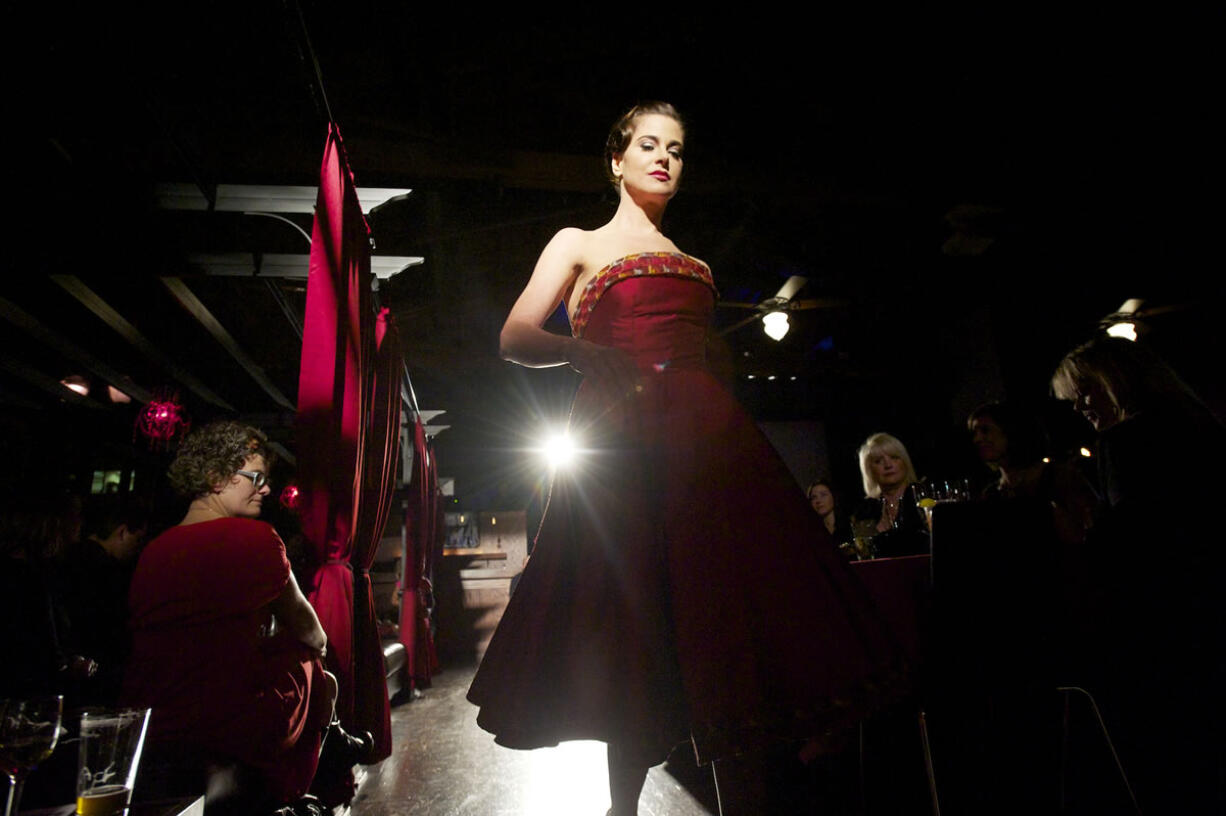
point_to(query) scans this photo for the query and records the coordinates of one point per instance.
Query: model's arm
(523, 340)
(295, 613)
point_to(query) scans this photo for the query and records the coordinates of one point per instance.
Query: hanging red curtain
(414, 614)
(332, 410)
(437, 536)
(371, 709)
(427, 656)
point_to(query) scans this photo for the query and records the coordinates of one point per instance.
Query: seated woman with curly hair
(225, 647)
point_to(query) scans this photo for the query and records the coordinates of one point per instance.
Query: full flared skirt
(681, 587)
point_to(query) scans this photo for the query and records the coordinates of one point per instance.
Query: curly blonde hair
(213, 454)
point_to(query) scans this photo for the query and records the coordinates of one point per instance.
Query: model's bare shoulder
(569, 240)
(566, 253)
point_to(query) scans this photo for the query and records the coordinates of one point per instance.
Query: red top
(201, 654)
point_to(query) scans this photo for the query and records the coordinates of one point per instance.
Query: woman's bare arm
(523, 340)
(295, 613)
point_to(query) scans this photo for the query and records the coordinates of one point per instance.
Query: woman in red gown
(675, 591)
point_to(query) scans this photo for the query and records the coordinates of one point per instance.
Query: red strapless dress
(680, 586)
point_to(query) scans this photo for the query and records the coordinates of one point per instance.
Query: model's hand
(609, 368)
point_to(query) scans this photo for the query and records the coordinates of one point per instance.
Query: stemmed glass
(926, 497)
(929, 494)
(29, 730)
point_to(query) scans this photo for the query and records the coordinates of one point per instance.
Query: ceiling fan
(773, 311)
(1124, 320)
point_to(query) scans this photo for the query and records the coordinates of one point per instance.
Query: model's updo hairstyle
(623, 129)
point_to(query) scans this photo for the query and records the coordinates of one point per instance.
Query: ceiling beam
(188, 300)
(282, 451)
(53, 340)
(268, 198)
(90, 300)
(273, 265)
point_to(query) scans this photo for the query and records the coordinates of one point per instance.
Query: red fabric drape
(371, 709)
(414, 615)
(427, 656)
(332, 404)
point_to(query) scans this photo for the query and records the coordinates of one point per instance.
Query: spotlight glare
(1128, 331)
(559, 450)
(775, 325)
(1086, 452)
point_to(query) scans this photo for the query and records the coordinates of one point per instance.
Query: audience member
(888, 510)
(822, 500)
(35, 527)
(1012, 444)
(225, 647)
(1151, 626)
(96, 572)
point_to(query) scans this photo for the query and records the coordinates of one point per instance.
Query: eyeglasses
(258, 478)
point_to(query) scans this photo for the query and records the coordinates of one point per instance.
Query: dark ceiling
(975, 193)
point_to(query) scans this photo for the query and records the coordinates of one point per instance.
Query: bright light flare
(573, 777)
(559, 450)
(1086, 453)
(1128, 331)
(775, 325)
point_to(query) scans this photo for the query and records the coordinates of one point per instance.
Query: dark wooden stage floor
(442, 764)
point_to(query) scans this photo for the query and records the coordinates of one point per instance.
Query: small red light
(289, 497)
(162, 420)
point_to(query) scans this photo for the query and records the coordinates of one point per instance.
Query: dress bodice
(655, 306)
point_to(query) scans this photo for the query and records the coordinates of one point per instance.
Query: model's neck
(639, 216)
(828, 520)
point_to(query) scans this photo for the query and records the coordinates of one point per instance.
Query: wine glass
(958, 489)
(28, 733)
(926, 496)
(863, 531)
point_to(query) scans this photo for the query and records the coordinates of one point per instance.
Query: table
(186, 806)
(900, 587)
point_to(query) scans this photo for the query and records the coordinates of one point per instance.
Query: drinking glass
(926, 497)
(863, 532)
(957, 490)
(29, 730)
(109, 756)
